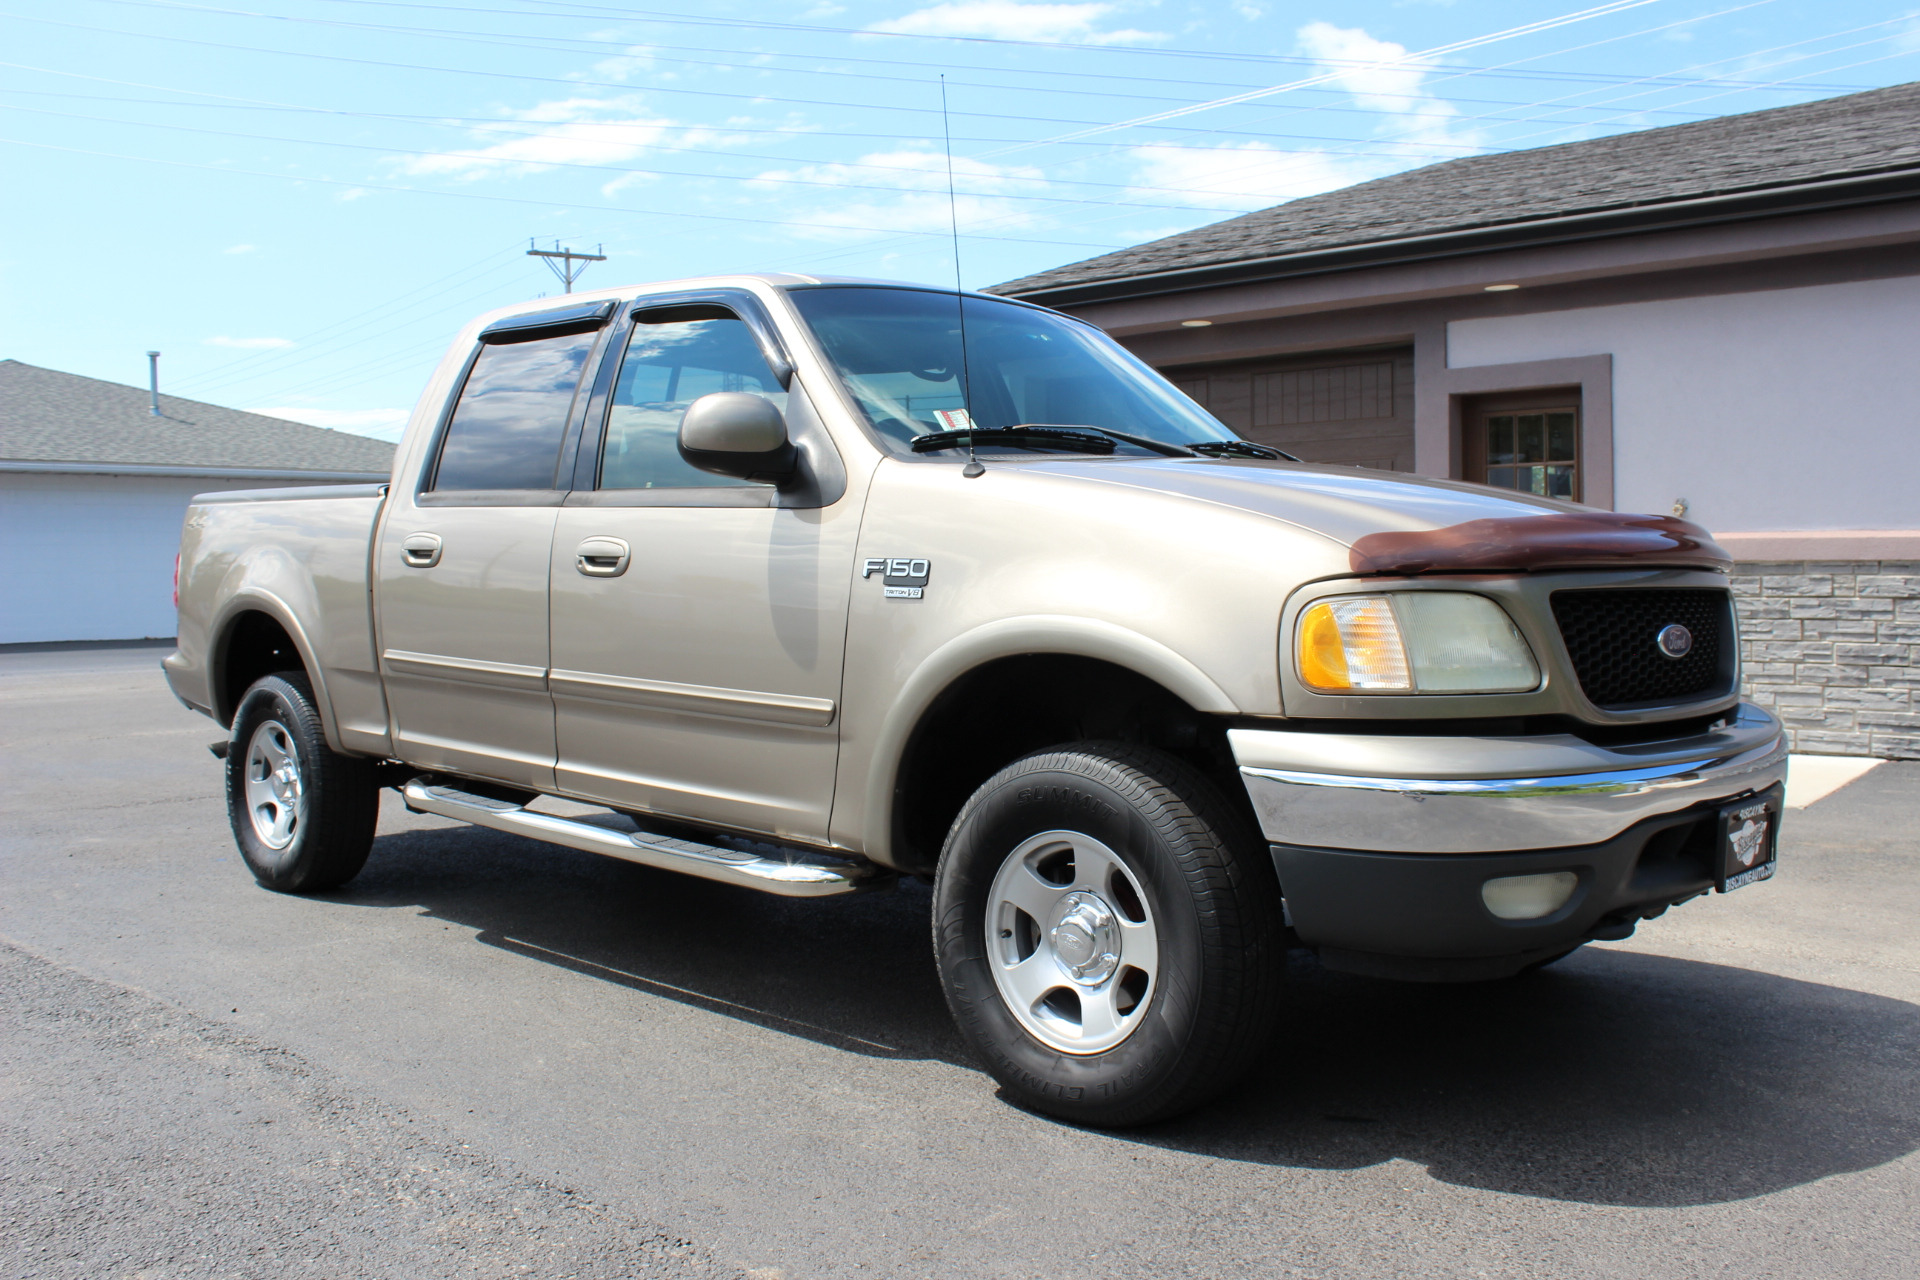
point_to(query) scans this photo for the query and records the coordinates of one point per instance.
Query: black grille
(1610, 637)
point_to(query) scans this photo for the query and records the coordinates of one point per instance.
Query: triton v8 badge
(902, 578)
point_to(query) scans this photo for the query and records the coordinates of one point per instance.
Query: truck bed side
(263, 570)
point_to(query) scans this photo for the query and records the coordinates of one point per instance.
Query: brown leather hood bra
(1564, 540)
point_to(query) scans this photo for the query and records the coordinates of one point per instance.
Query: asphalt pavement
(491, 1057)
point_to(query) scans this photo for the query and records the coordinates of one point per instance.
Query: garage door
(1354, 408)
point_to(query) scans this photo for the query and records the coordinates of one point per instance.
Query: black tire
(329, 821)
(1203, 887)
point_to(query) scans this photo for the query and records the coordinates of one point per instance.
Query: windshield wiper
(1070, 439)
(1238, 449)
(1156, 446)
(1143, 442)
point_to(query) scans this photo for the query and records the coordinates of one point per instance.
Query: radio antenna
(973, 467)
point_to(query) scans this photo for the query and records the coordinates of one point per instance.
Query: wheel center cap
(1085, 938)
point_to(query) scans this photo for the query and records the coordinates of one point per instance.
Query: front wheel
(302, 813)
(1109, 944)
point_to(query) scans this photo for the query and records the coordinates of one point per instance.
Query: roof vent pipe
(153, 383)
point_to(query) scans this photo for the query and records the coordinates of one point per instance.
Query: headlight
(1413, 642)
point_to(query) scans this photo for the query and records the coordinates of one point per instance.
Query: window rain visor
(898, 351)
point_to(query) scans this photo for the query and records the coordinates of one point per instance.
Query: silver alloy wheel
(1071, 942)
(276, 793)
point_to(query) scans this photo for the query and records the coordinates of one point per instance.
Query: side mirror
(734, 433)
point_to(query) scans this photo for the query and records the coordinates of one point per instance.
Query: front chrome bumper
(1459, 795)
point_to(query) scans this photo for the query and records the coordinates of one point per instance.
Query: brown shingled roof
(1851, 137)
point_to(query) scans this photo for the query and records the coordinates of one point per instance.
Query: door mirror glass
(739, 434)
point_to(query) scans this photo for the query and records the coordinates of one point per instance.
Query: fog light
(1529, 897)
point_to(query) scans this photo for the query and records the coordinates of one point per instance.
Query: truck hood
(1395, 523)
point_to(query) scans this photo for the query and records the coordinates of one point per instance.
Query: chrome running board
(790, 877)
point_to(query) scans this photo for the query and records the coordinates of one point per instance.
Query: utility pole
(153, 383)
(560, 261)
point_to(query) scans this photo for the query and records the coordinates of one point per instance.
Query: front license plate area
(1749, 840)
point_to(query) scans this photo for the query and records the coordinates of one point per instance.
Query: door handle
(602, 557)
(420, 550)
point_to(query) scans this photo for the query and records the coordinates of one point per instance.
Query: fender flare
(259, 600)
(1051, 634)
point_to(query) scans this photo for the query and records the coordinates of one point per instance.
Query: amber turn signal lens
(1323, 661)
(1352, 643)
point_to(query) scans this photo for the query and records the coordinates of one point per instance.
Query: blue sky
(299, 201)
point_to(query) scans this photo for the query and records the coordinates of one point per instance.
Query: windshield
(898, 351)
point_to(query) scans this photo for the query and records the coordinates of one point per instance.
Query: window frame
(1513, 404)
(822, 477)
(512, 331)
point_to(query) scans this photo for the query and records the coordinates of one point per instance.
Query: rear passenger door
(460, 570)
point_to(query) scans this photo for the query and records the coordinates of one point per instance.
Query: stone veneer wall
(1833, 648)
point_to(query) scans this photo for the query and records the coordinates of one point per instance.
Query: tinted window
(669, 364)
(899, 352)
(512, 416)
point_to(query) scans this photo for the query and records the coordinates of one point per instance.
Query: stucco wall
(90, 557)
(1776, 410)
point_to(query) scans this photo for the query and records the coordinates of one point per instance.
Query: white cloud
(381, 424)
(606, 131)
(1382, 78)
(1908, 41)
(922, 206)
(1010, 20)
(1244, 175)
(238, 248)
(1379, 76)
(249, 344)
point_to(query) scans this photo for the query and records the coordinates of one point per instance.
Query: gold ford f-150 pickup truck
(809, 584)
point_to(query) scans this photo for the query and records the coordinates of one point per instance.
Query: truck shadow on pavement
(1616, 1077)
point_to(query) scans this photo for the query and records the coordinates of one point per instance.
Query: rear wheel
(1109, 941)
(302, 813)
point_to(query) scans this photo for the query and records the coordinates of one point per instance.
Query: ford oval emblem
(1674, 640)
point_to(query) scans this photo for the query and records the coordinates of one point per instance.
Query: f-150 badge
(901, 578)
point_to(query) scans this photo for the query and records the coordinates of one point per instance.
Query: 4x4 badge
(901, 577)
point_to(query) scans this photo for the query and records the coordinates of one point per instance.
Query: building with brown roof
(1720, 319)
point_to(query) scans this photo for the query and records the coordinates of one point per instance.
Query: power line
(567, 8)
(480, 159)
(568, 44)
(474, 195)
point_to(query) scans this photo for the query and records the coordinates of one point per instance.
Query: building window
(1531, 447)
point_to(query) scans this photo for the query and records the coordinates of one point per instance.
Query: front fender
(1008, 638)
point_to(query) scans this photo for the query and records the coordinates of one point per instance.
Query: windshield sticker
(901, 577)
(954, 419)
